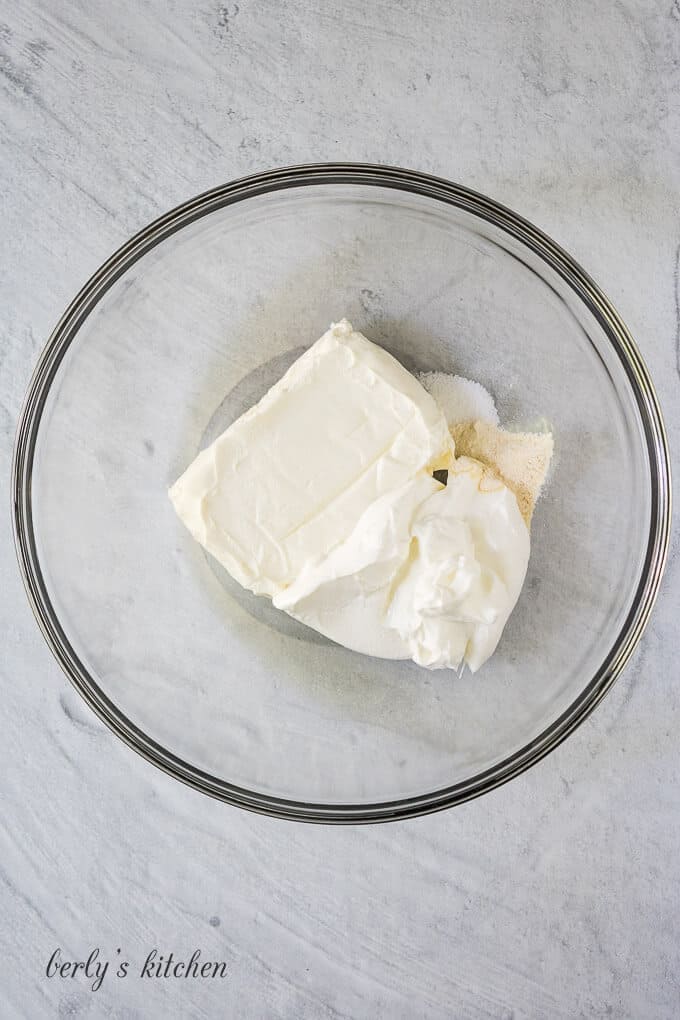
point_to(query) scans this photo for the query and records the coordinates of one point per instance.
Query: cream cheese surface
(288, 481)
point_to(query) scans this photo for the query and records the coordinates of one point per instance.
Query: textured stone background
(556, 896)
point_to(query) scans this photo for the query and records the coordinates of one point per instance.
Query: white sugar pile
(460, 399)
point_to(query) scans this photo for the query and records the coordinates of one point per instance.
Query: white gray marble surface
(557, 895)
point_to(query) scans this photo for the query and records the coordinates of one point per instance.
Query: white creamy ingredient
(288, 481)
(460, 586)
(460, 399)
(346, 595)
(322, 497)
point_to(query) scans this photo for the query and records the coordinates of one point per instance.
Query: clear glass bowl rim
(417, 183)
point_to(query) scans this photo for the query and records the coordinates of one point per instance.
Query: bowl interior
(191, 335)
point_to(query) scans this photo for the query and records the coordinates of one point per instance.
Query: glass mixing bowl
(188, 325)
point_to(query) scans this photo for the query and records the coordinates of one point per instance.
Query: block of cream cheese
(288, 481)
